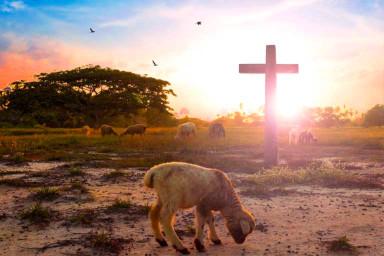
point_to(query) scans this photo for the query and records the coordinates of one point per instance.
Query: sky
(338, 44)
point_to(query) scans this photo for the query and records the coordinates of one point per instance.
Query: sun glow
(291, 97)
(215, 87)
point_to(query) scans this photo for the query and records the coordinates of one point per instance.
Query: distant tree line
(92, 96)
(315, 117)
(337, 117)
(88, 95)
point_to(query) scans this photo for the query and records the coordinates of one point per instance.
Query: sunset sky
(339, 46)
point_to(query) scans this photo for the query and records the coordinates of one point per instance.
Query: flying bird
(198, 23)
(154, 63)
(92, 31)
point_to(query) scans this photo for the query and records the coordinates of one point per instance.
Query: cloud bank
(338, 44)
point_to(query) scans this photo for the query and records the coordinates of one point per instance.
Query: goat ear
(245, 227)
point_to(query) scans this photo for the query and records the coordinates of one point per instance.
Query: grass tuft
(36, 214)
(84, 217)
(77, 185)
(17, 158)
(114, 174)
(342, 244)
(120, 204)
(47, 193)
(103, 241)
(75, 171)
(126, 206)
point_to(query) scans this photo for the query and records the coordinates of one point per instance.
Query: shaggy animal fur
(135, 129)
(175, 184)
(216, 130)
(107, 130)
(186, 130)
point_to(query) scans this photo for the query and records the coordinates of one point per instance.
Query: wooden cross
(270, 69)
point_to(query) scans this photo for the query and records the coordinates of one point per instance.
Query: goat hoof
(182, 251)
(162, 243)
(199, 246)
(217, 242)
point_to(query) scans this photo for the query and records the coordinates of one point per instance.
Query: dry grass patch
(319, 175)
(77, 191)
(46, 194)
(126, 206)
(84, 217)
(120, 204)
(17, 159)
(78, 186)
(342, 244)
(264, 192)
(37, 214)
(114, 175)
(104, 242)
(75, 171)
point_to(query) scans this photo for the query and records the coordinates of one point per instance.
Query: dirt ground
(301, 221)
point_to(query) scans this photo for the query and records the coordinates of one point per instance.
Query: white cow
(186, 130)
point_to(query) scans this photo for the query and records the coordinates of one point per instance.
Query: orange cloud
(24, 65)
(22, 59)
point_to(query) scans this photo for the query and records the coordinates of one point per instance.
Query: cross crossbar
(261, 68)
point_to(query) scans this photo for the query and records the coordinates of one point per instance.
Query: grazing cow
(107, 130)
(306, 137)
(293, 136)
(86, 130)
(135, 129)
(183, 185)
(301, 136)
(216, 130)
(185, 130)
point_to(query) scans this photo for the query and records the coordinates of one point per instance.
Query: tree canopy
(374, 116)
(89, 95)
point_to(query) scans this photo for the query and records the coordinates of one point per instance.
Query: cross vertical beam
(270, 133)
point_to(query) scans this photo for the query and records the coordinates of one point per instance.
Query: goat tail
(148, 178)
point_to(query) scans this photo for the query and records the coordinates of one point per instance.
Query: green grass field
(158, 144)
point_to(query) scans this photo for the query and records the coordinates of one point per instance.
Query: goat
(176, 186)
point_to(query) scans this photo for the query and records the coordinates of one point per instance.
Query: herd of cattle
(301, 136)
(187, 130)
(184, 130)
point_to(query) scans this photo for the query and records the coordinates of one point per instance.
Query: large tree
(374, 116)
(86, 95)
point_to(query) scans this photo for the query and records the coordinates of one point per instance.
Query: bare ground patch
(307, 207)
